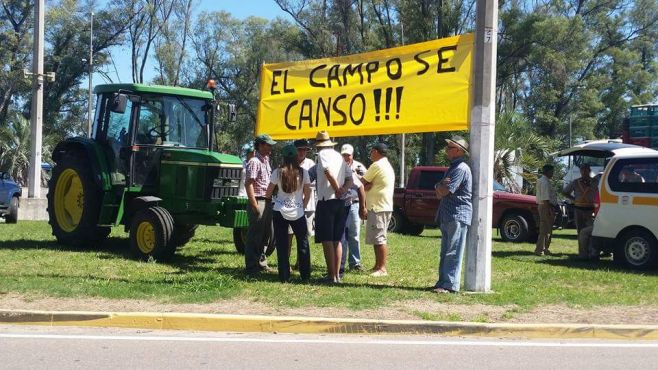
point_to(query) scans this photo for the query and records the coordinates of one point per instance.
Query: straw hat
(322, 140)
(459, 142)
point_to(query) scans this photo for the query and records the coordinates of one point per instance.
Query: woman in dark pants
(288, 210)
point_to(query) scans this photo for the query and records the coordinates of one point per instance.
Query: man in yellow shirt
(379, 183)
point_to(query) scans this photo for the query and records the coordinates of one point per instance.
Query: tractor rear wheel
(12, 215)
(183, 233)
(151, 234)
(74, 203)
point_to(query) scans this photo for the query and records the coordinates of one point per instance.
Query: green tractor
(149, 166)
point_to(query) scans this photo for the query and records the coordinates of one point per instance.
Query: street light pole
(91, 71)
(403, 140)
(36, 119)
(483, 122)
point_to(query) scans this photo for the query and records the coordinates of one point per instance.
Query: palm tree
(519, 151)
(15, 146)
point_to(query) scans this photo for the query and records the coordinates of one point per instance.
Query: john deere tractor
(149, 166)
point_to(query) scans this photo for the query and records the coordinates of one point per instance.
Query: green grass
(208, 269)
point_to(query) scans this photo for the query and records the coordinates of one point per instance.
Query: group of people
(330, 197)
(582, 191)
(283, 205)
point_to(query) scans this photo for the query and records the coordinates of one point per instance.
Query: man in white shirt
(547, 202)
(356, 204)
(334, 177)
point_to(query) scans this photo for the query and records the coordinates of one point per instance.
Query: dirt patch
(407, 310)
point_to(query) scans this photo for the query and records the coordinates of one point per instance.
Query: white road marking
(483, 343)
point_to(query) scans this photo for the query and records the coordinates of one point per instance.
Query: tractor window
(187, 122)
(173, 121)
(151, 128)
(118, 127)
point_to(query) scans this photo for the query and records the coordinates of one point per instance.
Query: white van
(626, 221)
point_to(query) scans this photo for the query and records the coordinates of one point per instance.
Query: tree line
(560, 62)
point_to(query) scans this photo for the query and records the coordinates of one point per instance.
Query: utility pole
(36, 119)
(403, 138)
(483, 119)
(91, 71)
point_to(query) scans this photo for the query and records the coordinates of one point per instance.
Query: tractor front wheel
(151, 234)
(74, 202)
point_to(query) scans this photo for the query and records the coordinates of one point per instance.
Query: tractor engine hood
(196, 157)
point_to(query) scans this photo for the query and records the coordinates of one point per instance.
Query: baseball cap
(347, 149)
(265, 138)
(302, 143)
(289, 150)
(382, 148)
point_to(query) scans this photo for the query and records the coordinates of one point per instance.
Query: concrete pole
(91, 72)
(36, 119)
(478, 245)
(403, 140)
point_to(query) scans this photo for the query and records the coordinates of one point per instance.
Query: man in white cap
(356, 204)
(334, 178)
(454, 215)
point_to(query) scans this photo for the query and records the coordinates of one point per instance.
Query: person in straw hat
(454, 215)
(334, 178)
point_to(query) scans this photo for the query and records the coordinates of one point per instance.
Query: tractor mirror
(119, 102)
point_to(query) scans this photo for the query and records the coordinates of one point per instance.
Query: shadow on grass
(565, 236)
(113, 245)
(605, 265)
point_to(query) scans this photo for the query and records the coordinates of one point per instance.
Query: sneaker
(379, 273)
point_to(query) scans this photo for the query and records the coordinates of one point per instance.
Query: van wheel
(12, 215)
(514, 228)
(639, 250)
(398, 223)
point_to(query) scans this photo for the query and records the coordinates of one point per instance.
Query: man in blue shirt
(454, 215)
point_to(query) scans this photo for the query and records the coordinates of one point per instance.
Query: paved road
(79, 348)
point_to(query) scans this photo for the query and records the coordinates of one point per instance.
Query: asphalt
(318, 325)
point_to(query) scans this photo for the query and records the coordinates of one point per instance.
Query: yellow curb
(283, 324)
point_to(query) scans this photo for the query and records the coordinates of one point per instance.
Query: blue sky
(238, 8)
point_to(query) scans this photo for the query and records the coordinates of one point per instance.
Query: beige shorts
(376, 227)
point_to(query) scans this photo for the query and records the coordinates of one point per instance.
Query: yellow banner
(415, 88)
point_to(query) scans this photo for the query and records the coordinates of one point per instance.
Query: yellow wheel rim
(69, 200)
(145, 237)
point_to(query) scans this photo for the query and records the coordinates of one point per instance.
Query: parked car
(515, 215)
(596, 154)
(626, 213)
(10, 194)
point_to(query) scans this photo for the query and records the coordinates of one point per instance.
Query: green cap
(265, 138)
(289, 150)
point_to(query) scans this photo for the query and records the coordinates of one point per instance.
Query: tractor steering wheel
(155, 134)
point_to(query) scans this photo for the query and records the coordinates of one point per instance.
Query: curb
(307, 325)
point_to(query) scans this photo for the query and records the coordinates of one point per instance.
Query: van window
(429, 178)
(638, 175)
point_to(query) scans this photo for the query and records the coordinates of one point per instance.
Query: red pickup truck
(414, 207)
